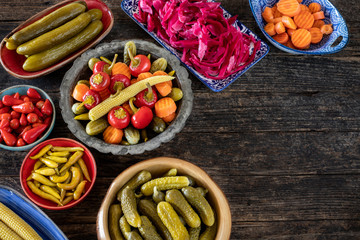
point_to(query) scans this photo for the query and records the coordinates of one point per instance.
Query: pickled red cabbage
(208, 41)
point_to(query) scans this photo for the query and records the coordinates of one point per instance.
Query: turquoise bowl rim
(18, 88)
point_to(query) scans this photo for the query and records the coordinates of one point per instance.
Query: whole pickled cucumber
(96, 127)
(55, 36)
(114, 216)
(139, 179)
(195, 198)
(164, 183)
(47, 23)
(202, 191)
(134, 236)
(51, 56)
(129, 46)
(148, 208)
(171, 172)
(147, 230)
(125, 227)
(194, 233)
(96, 14)
(171, 220)
(209, 233)
(159, 64)
(157, 125)
(177, 200)
(128, 205)
(132, 135)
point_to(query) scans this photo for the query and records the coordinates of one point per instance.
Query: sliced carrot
(121, 68)
(163, 88)
(301, 38)
(79, 91)
(327, 29)
(290, 44)
(318, 24)
(277, 20)
(144, 75)
(270, 29)
(281, 38)
(288, 7)
(290, 31)
(319, 15)
(304, 8)
(304, 20)
(316, 35)
(268, 14)
(276, 12)
(280, 28)
(274, 9)
(299, 1)
(164, 107)
(288, 22)
(169, 118)
(314, 7)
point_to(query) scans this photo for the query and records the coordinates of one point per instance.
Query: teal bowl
(22, 91)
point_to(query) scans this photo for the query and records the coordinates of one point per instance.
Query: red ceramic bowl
(28, 165)
(12, 62)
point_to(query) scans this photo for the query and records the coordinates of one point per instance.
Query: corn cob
(7, 233)
(129, 92)
(17, 224)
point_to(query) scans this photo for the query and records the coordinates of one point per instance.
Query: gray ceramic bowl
(80, 70)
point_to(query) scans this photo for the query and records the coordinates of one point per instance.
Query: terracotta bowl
(12, 62)
(28, 165)
(157, 167)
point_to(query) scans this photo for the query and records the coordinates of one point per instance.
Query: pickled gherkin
(147, 230)
(195, 198)
(158, 196)
(159, 64)
(209, 233)
(179, 203)
(133, 235)
(124, 227)
(194, 233)
(139, 179)
(164, 183)
(129, 46)
(96, 127)
(157, 125)
(129, 207)
(114, 217)
(148, 208)
(132, 135)
(171, 220)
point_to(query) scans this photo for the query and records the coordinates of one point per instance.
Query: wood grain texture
(282, 142)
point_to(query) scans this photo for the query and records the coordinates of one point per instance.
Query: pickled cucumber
(147, 230)
(159, 64)
(195, 198)
(128, 205)
(55, 36)
(96, 14)
(114, 216)
(209, 233)
(179, 203)
(51, 56)
(47, 23)
(139, 179)
(171, 172)
(158, 196)
(164, 183)
(194, 233)
(125, 227)
(171, 220)
(134, 236)
(96, 127)
(148, 208)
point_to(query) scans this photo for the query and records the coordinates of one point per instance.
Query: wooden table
(282, 141)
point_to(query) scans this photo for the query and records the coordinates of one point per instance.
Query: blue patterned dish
(22, 90)
(31, 214)
(130, 7)
(332, 16)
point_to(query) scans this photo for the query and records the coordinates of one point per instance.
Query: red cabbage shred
(208, 41)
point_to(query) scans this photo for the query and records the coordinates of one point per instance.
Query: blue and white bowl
(31, 214)
(326, 46)
(22, 89)
(131, 7)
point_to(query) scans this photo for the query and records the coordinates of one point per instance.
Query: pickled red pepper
(208, 41)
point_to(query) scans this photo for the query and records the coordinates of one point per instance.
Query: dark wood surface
(282, 142)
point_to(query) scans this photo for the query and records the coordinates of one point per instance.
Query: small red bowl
(12, 62)
(28, 165)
